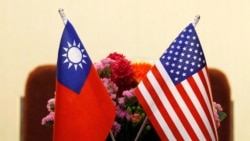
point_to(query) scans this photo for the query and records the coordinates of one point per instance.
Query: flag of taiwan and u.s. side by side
(84, 110)
(176, 94)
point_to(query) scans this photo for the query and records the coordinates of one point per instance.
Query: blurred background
(30, 33)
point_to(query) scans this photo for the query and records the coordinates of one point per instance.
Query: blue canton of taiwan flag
(73, 61)
(83, 108)
(176, 93)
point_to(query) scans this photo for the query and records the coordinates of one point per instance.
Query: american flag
(176, 94)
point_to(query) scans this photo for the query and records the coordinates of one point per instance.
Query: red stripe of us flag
(176, 95)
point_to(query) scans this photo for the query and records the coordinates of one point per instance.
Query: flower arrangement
(120, 76)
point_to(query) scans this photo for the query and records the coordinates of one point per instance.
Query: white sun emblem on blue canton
(74, 55)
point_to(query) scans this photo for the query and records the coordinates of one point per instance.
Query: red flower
(135, 118)
(116, 56)
(122, 73)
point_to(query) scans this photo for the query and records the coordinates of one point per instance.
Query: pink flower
(49, 119)
(121, 100)
(51, 105)
(122, 113)
(106, 62)
(98, 66)
(217, 119)
(113, 96)
(217, 108)
(128, 93)
(116, 128)
(110, 85)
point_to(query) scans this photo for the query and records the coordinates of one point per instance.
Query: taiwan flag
(84, 110)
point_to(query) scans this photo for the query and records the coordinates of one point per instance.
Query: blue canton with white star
(184, 57)
(72, 77)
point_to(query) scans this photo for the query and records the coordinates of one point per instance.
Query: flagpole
(63, 16)
(141, 128)
(112, 136)
(196, 20)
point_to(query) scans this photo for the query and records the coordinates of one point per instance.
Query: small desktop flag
(176, 94)
(84, 110)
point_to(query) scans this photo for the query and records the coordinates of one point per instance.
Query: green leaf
(129, 110)
(222, 115)
(148, 127)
